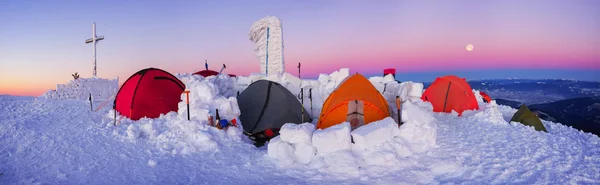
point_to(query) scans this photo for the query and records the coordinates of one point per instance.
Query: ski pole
(302, 102)
(187, 101)
(398, 108)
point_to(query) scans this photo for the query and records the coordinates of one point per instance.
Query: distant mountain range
(580, 113)
(569, 102)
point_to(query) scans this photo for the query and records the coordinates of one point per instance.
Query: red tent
(149, 93)
(486, 97)
(450, 93)
(389, 71)
(207, 73)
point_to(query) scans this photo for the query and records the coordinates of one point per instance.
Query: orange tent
(355, 87)
(450, 93)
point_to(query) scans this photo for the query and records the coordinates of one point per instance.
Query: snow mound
(81, 88)
(267, 34)
(371, 147)
(173, 133)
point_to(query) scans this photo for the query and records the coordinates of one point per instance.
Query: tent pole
(447, 92)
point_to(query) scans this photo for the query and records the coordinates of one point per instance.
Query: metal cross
(94, 40)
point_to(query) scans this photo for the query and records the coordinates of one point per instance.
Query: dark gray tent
(268, 105)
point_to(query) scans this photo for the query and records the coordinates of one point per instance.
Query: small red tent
(388, 71)
(450, 93)
(149, 93)
(486, 98)
(207, 73)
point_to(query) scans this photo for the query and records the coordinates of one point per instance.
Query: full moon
(469, 47)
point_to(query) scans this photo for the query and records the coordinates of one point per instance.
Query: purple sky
(42, 42)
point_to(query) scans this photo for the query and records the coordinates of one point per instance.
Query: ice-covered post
(94, 40)
(267, 34)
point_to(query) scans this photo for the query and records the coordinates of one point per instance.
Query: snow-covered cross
(94, 40)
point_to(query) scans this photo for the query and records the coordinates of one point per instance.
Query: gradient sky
(42, 42)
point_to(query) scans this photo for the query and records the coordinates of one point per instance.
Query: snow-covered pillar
(267, 34)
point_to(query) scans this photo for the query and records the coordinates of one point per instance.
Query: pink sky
(41, 46)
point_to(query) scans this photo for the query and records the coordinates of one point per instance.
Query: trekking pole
(91, 105)
(302, 102)
(310, 98)
(398, 108)
(298, 69)
(187, 101)
(115, 111)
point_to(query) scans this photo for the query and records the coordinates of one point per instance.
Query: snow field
(62, 142)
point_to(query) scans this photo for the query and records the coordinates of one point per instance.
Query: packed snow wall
(267, 34)
(80, 89)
